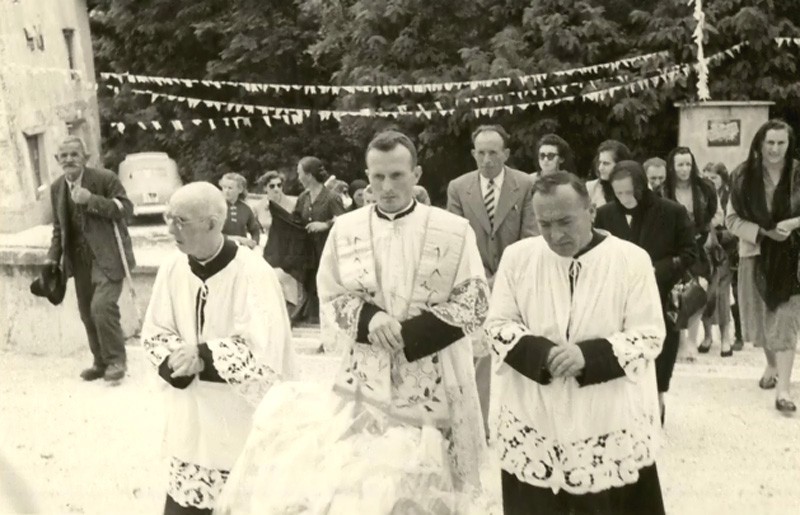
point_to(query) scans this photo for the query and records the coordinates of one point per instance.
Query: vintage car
(150, 178)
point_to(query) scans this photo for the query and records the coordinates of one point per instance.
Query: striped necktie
(488, 199)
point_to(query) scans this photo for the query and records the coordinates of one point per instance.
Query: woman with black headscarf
(663, 229)
(764, 212)
(609, 153)
(685, 186)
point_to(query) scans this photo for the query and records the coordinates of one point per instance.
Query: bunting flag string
(383, 89)
(294, 116)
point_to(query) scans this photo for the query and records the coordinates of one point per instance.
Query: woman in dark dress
(685, 186)
(316, 208)
(663, 229)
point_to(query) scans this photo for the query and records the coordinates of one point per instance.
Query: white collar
(399, 214)
(76, 182)
(498, 181)
(207, 261)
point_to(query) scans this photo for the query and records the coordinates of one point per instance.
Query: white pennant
(157, 125)
(142, 126)
(267, 121)
(177, 125)
(212, 125)
(121, 127)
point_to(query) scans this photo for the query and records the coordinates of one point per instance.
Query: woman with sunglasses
(287, 241)
(609, 153)
(554, 154)
(271, 183)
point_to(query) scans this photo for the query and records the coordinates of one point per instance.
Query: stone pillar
(720, 131)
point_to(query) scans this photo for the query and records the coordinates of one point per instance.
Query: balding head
(197, 212)
(201, 200)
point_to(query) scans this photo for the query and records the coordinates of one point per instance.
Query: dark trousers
(173, 508)
(97, 303)
(665, 362)
(640, 498)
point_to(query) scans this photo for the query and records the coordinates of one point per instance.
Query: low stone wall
(30, 324)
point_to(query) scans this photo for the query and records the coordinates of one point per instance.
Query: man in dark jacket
(662, 228)
(87, 203)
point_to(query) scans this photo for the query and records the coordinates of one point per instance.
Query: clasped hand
(565, 361)
(384, 331)
(185, 361)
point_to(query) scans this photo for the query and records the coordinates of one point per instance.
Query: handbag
(691, 298)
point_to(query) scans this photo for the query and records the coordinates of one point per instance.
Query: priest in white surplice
(218, 333)
(400, 431)
(576, 324)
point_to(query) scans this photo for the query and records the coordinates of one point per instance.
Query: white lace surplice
(562, 435)
(247, 330)
(398, 263)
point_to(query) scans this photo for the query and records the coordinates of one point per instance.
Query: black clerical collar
(395, 216)
(217, 263)
(597, 239)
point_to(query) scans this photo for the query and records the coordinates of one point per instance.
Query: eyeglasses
(548, 155)
(179, 222)
(273, 186)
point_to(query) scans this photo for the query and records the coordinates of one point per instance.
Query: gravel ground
(94, 448)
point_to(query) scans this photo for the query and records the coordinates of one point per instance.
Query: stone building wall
(46, 93)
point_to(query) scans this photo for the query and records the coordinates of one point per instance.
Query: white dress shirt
(498, 183)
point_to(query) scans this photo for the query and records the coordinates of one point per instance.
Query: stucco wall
(741, 118)
(39, 95)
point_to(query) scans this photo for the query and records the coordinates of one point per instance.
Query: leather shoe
(737, 345)
(768, 383)
(114, 372)
(726, 353)
(703, 348)
(785, 406)
(95, 372)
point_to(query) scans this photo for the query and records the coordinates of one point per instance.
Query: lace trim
(236, 364)
(159, 347)
(503, 336)
(194, 486)
(467, 305)
(587, 466)
(635, 351)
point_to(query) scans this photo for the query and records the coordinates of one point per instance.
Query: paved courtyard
(94, 448)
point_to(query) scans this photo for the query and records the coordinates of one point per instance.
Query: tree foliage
(411, 41)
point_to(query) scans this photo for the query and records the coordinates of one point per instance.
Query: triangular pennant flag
(267, 121)
(197, 121)
(156, 125)
(212, 125)
(246, 122)
(177, 125)
(142, 126)
(121, 127)
(188, 83)
(235, 122)
(226, 121)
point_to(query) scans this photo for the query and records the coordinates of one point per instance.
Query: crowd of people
(538, 313)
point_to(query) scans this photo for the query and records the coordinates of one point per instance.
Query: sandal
(785, 406)
(768, 383)
(703, 348)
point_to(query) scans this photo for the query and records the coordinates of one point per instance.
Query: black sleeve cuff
(367, 312)
(209, 372)
(165, 372)
(601, 364)
(529, 358)
(426, 334)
